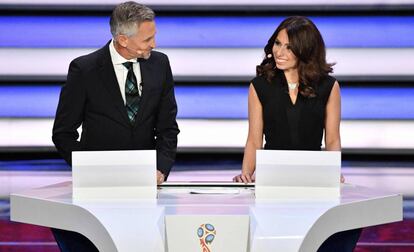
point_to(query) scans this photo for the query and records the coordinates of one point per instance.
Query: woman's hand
(245, 178)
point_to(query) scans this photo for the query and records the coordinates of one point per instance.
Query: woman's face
(284, 57)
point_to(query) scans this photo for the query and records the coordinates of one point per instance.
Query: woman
(293, 101)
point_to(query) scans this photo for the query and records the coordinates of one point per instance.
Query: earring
(269, 56)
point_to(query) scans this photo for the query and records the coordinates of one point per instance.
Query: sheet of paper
(214, 191)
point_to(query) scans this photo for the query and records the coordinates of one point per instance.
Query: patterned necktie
(132, 96)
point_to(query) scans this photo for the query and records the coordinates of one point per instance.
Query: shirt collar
(117, 58)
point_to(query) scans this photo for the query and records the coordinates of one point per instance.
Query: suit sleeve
(69, 114)
(166, 127)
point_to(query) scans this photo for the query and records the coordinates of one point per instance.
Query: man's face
(141, 44)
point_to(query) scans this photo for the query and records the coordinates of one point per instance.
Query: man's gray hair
(127, 16)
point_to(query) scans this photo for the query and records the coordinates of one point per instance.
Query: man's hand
(245, 178)
(160, 177)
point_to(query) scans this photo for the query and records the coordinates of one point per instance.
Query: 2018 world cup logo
(206, 233)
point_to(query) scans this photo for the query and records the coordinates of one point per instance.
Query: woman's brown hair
(307, 44)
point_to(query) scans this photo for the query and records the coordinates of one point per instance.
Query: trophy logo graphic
(206, 233)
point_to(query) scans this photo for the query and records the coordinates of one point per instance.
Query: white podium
(278, 225)
(196, 217)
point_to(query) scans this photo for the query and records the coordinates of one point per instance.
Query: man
(123, 96)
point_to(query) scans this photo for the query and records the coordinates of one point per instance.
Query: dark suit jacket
(91, 97)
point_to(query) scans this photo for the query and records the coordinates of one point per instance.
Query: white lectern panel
(114, 174)
(297, 174)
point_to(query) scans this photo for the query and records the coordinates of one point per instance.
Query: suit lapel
(110, 82)
(147, 80)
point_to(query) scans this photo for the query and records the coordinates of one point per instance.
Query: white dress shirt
(121, 72)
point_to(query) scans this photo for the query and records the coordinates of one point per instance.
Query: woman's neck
(292, 76)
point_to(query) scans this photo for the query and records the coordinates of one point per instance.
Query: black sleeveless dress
(289, 126)
(299, 126)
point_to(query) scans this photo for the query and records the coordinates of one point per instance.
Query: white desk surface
(275, 225)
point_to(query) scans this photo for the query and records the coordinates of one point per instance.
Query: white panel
(114, 174)
(297, 174)
(269, 157)
(214, 62)
(223, 133)
(26, 132)
(377, 134)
